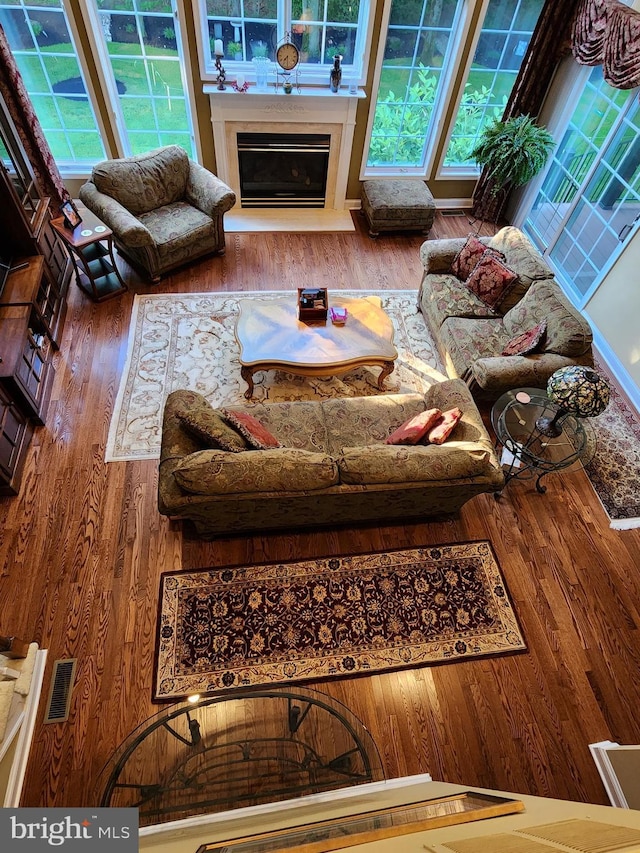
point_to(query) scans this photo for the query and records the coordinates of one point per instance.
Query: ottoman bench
(399, 205)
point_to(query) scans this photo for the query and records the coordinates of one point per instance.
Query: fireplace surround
(312, 113)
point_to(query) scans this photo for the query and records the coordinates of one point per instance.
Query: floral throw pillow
(212, 429)
(444, 426)
(257, 435)
(412, 430)
(491, 280)
(468, 257)
(527, 341)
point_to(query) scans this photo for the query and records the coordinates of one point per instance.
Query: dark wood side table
(90, 245)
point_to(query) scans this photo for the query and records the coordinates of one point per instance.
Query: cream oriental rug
(187, 341)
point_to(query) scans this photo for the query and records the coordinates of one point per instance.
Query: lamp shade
(579, 390)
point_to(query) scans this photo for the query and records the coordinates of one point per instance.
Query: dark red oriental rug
(269, 624)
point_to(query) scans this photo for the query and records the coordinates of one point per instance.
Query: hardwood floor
(83, 547)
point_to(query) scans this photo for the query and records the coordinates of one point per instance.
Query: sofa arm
(498, 374)
(126, 228)
(438, 255)
(207, 192)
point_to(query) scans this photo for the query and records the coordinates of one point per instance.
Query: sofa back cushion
(568, 333)
(357, 421)
(390, 463)
(216, 472)
(146, 181)
(523, 258)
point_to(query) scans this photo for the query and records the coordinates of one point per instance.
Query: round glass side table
(240, 748)
(530, 452)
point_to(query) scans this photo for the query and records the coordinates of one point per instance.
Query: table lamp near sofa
(577, 391)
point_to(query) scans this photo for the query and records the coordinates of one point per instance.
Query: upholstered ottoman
(403, 205)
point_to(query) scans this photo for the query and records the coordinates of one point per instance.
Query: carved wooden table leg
(247, 375)
(387, 369)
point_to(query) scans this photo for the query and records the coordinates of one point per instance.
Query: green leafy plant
(512, 151)
(233, 48)
(169, 33)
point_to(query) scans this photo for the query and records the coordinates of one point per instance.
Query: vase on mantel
(335, 76)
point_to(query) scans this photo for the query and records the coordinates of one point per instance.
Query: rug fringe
(625, 523)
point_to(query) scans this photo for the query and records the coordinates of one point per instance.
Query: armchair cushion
(146, 181)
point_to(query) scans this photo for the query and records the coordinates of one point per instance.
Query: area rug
(250, 626)
(614, 471)
(187, 341)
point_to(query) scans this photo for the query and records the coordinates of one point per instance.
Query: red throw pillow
(468, 257)
(527, 341)
(411, 431)
(445, 425)
(491, 280)
(256, 434)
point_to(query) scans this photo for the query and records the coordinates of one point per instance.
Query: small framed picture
(70, 213)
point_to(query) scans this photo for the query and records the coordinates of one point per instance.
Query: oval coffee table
(271, 337)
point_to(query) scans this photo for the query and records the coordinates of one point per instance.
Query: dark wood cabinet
(32, 303)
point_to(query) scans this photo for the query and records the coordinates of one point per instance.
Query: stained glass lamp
(575, 390)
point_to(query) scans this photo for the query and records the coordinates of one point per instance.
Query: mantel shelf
(272, 92)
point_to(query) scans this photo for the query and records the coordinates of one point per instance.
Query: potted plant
(512, 152)
(234, 49)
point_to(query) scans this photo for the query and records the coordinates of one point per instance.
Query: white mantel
(313, 110)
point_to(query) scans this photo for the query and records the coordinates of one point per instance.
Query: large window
(319, 28)
(40, 40)
(139, 50)
(147, 83)
(417, 48)
(589, 201)
(501, 47)
(421, 50)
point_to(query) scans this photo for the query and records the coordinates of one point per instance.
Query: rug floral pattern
(254, 625)
(187, 341)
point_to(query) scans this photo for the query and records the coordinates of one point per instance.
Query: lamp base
(549, 427)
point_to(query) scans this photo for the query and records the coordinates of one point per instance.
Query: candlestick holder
(222, 76)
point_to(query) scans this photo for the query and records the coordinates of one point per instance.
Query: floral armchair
(164, 209)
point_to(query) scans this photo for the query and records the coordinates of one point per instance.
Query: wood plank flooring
(83, 547)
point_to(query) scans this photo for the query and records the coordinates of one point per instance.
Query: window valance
(607, 33)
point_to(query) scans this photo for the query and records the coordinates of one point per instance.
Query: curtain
(607, 33)
(550, 42)
(16, 98)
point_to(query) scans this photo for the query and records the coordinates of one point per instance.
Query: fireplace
(283, 169)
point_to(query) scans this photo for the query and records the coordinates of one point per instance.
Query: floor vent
(59, 700)
(454, 211)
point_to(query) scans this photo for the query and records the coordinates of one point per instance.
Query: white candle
(217, 48)
(239, 80)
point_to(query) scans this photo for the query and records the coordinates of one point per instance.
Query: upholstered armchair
(164, 209)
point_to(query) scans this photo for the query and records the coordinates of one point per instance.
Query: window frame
(311, 73)
(106, 77)
(459, 37)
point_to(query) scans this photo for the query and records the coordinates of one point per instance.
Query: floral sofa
(333, 465)
(164, 209)
(471, 336)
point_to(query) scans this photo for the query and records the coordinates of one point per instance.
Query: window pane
(40, 40)
(415, 51)
(147, 67)
(501, 47)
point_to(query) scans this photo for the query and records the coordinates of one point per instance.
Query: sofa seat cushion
(376, 464)
(465, 339)
(146, 181)
(216, 472)
(568, 333)
(353, 421)
(445, 296)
